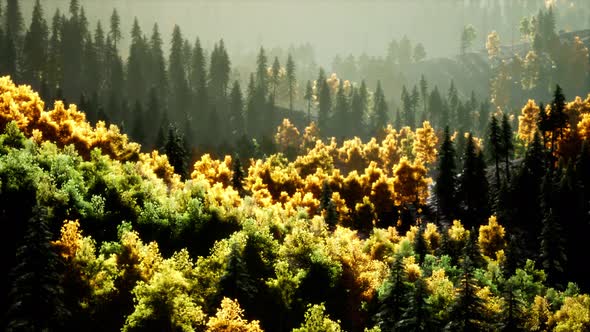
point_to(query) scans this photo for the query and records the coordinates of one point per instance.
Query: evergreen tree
(8, 62)
(13, 20)
(136, 65)
(308, 98)
(36, 297)
(325, 103)
(393, 296)
(420, 248)
(158, 75)
(341, 113)
(417, 316)
(261, 75)
(35, 48)
(237, 180)
(424, 93)
(198, 80)
(467, 312)
(115, 32)
(512, 315)
(139, 123)
(178, 83)
(236, 108)
(552, 251)
(473, 186)
(495, 146)
(291, 80)
(176, 151)
(557, 117)
(275, 72)
(446, 181)
(435, 107)
(358, 110)
(219, 74)
(507, 145)
(408, 115)
(380, 117)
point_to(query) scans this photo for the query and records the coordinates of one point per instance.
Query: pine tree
(136, 88)
(275, 72)
(341, 113)
(393, 296)
(435, 107)
(219, 74)
(417, 316)
(178, 83)
(236, 108)
(308, 98)
(557, 117)
(424, 93)
(14, 22)
(420, 244)
(237, 180)
(466, 313)
(325, 103)
(291, 80)
(495, 146)
(35, 296)
(446, 181)
(552, 251)
(176, 152)
(261, 74)
(158, 74)
(139, 123)
(473, 186)
(35, 47)
(380, 117)
(115, 32)
(408, 115)
(507, 145)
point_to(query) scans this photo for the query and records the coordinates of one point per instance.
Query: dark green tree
(291, 80)
(473, 186)
(417, 316)
(176, 151)
(36, 296)
(308, 98)
(467, 312)
(507, 144)
(13, 20)
(495, 146)
(178, 83)
(380, 117)
(552, 251)
(446, 181)
(393, 297)
(236, 109)
(237, 179)
(325, 103)
(115, 31)
(35, 48)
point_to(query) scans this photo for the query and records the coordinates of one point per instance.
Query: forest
(152, 180)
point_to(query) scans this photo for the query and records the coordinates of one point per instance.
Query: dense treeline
(345, 237)
(213, 109)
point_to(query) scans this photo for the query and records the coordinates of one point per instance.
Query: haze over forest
(362, 166)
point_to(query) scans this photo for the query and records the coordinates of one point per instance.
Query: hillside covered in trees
(169, 198)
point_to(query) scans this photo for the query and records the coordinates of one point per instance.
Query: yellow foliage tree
(410, 183)
(491, 237)
(287, 137)
(527, 121)
(230, 318)
(425, 142)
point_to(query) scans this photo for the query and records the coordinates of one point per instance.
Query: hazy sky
(342, 26)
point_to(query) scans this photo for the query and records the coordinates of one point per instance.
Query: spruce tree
(308, 98)
(446, 182)
(36, 296)
(495, 146)
(115, 31)
(467, 312)
(507, 144)
(393, 296)
(236, 108)
(341, 113)
(380, 117)
(13, 20)
(176, 151)
(417, 316)
(35, 47)
(473, 186)
(178, 84)
(325, 103)
(291, 80)
(552, 252)
(237, 180)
